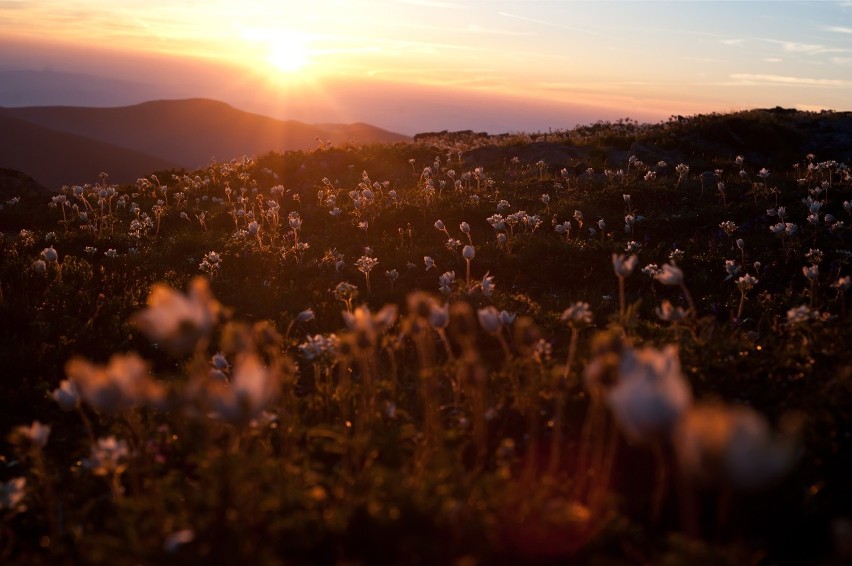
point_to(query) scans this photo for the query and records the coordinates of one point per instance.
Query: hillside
(56, 158)
(194, 132)
(618, 344)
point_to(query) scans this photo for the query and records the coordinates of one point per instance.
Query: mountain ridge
(193, 131)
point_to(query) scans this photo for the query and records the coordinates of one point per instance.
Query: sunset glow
(643, 59)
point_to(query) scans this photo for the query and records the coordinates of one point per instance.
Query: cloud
(784, 80)
(838, 29)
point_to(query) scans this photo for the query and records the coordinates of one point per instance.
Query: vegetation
(620, 343)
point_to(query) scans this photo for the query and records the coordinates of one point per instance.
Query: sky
(426, 65)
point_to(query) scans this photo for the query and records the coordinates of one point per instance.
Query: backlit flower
(66, 395)
(580, 313)
(670, 275)
(623, 266)
(651, 392)
(177, 321)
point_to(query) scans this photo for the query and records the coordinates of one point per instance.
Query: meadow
(615, 344)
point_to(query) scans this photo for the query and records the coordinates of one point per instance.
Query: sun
(288, 52)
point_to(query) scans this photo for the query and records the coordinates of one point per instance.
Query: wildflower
(446, 282)
(34, 435)
(814, 256)
(66, 395)
(40, 267)
(306, 315)
(676, 255)
(651, 392)
(669, 313)
(12, 494)
(804, 313)
(670, 275)
(746, 282)
(123, 383)
(108, 456)
(733, 444)
(811, 272)
(763, 173)
(741, 243)
(487, 285)
(623, 266)
(317, 346)
(842, 283)
(178, 321)
(367, 326)
(465, 228)
(732, 268)
(490, 319)
(50, 255)
(429, 262)
(178, 539)
(468, 252)
(652, 270)
(439, 316)
(252, 387)
(580, 313)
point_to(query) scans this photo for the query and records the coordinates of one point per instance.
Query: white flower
(623, 266)
(178, 321)
(811, 272)
(50, 255)
(177, 539)
(666, 311)
(108, 456)
(670, 275)
(651, 393)
(842, 283)
(734, 444)
(746, 282)
(490, 319)
(35, 434)
(487, 285)
(12, 494)
(124, 382)
(66, 395)
(253, 386)
(446, 282)
(579, 313)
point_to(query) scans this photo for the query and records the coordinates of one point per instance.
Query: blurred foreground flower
(121, 384)
(252, 388)
(177, 321)
(12, 495)
(734, 444)
(651, 392)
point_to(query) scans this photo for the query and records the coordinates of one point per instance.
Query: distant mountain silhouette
(55, 158)
(193, 132)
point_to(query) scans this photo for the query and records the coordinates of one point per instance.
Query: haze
(412, 66)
